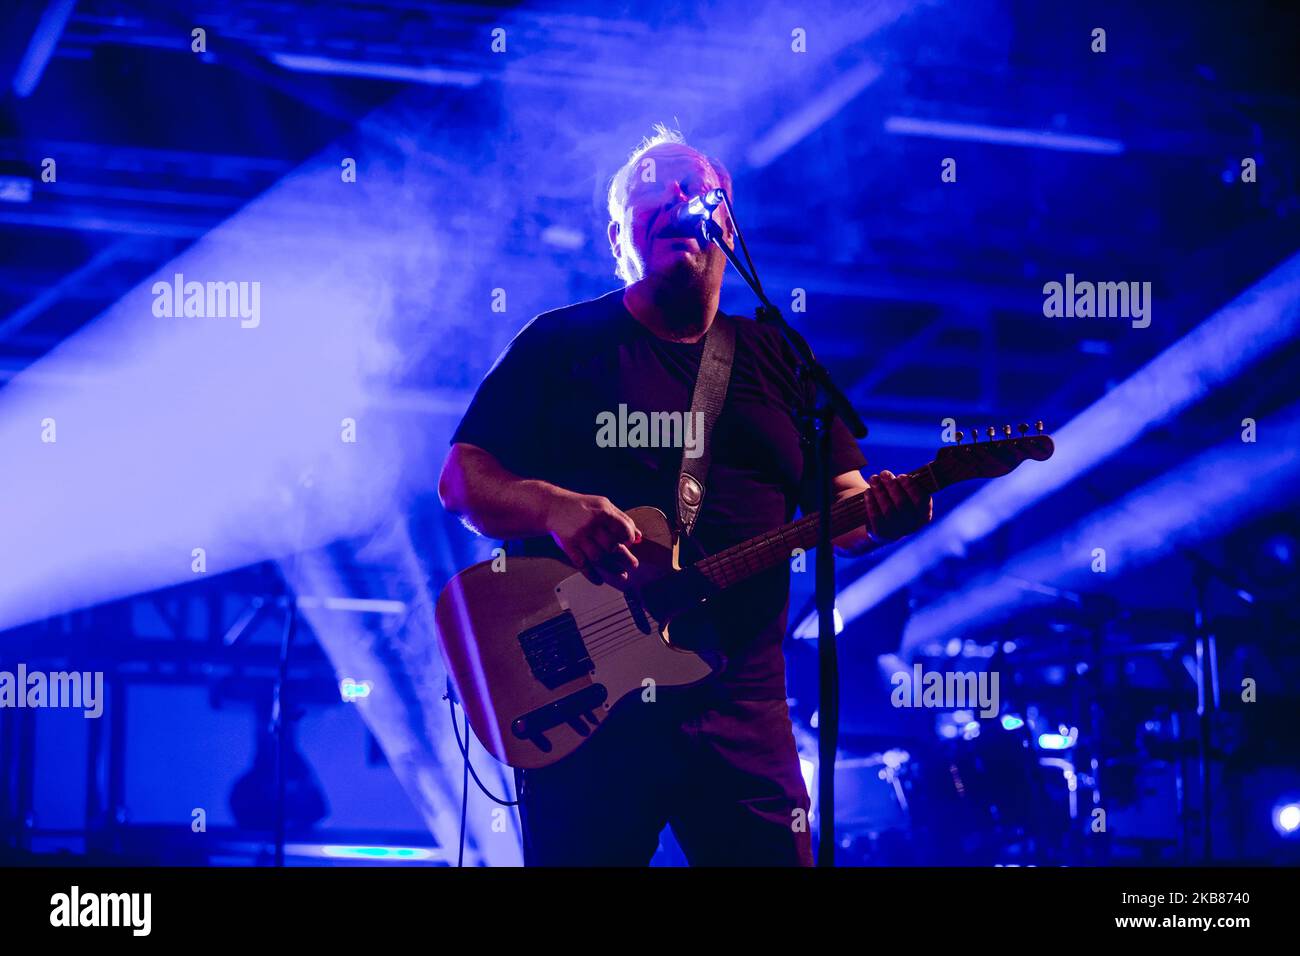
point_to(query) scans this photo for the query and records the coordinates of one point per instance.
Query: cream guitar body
(539, 654)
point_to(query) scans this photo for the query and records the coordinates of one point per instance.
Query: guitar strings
(601, 630)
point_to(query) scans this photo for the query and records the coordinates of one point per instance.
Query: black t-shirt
(536, 412)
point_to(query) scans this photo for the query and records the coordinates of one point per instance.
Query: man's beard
(679, 292)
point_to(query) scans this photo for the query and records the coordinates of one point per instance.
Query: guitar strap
(706, 404)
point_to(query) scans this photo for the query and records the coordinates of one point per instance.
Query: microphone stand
(815, 418)
(1207, 680)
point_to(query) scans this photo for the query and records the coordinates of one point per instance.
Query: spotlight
(1063, 740)
(1286, 819)
(352, 690)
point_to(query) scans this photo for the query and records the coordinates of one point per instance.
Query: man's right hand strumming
(594, 535)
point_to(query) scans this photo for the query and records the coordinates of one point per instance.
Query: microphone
(688, 218)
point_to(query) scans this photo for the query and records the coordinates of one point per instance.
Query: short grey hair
(616, 197)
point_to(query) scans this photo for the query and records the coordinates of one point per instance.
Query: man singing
(716, 761)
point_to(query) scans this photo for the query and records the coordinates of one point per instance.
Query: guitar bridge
(578, 710)
(555, 651)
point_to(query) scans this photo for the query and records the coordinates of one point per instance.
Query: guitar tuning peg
(992, 432)
(960, 436)
(1023, 428)
(1039, 425)
(1006, 430)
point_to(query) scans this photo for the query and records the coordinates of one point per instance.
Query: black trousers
(723, 773)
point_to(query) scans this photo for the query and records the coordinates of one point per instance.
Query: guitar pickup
(555, 651)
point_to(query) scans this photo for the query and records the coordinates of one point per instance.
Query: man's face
(654, 192)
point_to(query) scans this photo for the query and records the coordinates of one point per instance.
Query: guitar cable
(464, 790)
(469, 771)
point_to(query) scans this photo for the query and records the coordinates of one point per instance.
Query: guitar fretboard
(756, 555)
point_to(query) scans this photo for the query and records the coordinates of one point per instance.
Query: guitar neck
(766, 551)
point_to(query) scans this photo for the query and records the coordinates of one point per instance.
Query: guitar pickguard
(604, 606)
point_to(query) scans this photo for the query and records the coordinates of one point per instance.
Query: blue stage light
(807, 770)
(1189, 503)
(1001, 135)
(389, 853)
(1261, 319)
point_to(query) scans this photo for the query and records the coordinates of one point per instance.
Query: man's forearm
(495, 501)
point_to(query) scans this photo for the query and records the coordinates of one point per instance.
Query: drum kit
(1102, 748)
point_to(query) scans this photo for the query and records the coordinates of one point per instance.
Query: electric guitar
(539, 655)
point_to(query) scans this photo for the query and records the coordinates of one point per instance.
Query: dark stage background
(397, 187)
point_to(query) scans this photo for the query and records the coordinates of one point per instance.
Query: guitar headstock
(992, 457)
